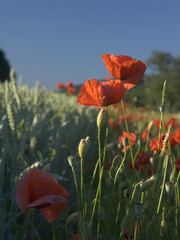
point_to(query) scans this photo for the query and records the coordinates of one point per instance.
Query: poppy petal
(52, 211)
(125, 68)
(90, 93)
(41, 183)
(22, 193)
(47, 200)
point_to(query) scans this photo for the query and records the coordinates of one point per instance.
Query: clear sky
(53, 41)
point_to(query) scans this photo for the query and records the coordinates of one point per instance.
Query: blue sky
(60, 41)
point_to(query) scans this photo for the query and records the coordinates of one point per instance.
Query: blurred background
(61, 41)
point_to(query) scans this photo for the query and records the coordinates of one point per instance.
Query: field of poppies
(87, 165)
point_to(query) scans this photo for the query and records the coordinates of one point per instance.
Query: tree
(4, 67)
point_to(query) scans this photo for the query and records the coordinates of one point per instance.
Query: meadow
(118, 167)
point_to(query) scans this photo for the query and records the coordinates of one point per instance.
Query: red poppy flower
(69, 84)
(173, 121)
(38, 189)
(128, 117)
(144, 135)
(153, 144)
(71, 90)
(60, 85)
(95, 93)
(177, 136)
(151, 171)
(125, 68)
(156, 122)
(132, 139)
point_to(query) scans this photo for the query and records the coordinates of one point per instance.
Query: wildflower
(60, 85)
(38, 189)
(71, 90)
(173, 122)
(128, 117)
(177, 136)
(69, 84)
(144, 135)
(132, 139)
(125, 68)
(156, 122)
(95, 93)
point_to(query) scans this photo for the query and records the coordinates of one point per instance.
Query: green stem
(53, 231)
(82, 204)
(121, 165)
(164, 178)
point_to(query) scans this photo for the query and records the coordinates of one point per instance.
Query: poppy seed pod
(101, 118)
(83, 147)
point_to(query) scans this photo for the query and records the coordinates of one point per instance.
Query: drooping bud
(126, 193)
(163, 228)
(70, 160)
(101, 118)
(168, 187)
(147, 184)
(126, 222)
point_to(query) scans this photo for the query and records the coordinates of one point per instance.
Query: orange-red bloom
(69, 84)
(125, 68)
(144, 135)
(60, 85)
(132, 139)
(71, 90)
(95, 93)
(177, 136)
(38, 189)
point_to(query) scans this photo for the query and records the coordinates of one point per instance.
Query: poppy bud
(73, 218)
(163, 228)
(70, 160)
(83, 147)
(125, 141)
(168, 187)
(101, 118)
(147, 184)
(139, 207)
(150, 126)
(126, 222)
(162, 108)
(47, 167)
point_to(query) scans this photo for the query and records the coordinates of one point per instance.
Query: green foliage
(4, 67)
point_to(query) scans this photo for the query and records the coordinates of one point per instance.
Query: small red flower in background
(60, 86)
(95, 93)
(128, 117)
(177, 136)
(132, 139)
(156, 122)
(75, 237)
(113, 124)
(173, 122)
(71, 90)
(151, 171)
(153, 144)
(69, 84)
(125, 68)
(144, 135)
(38, 189)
